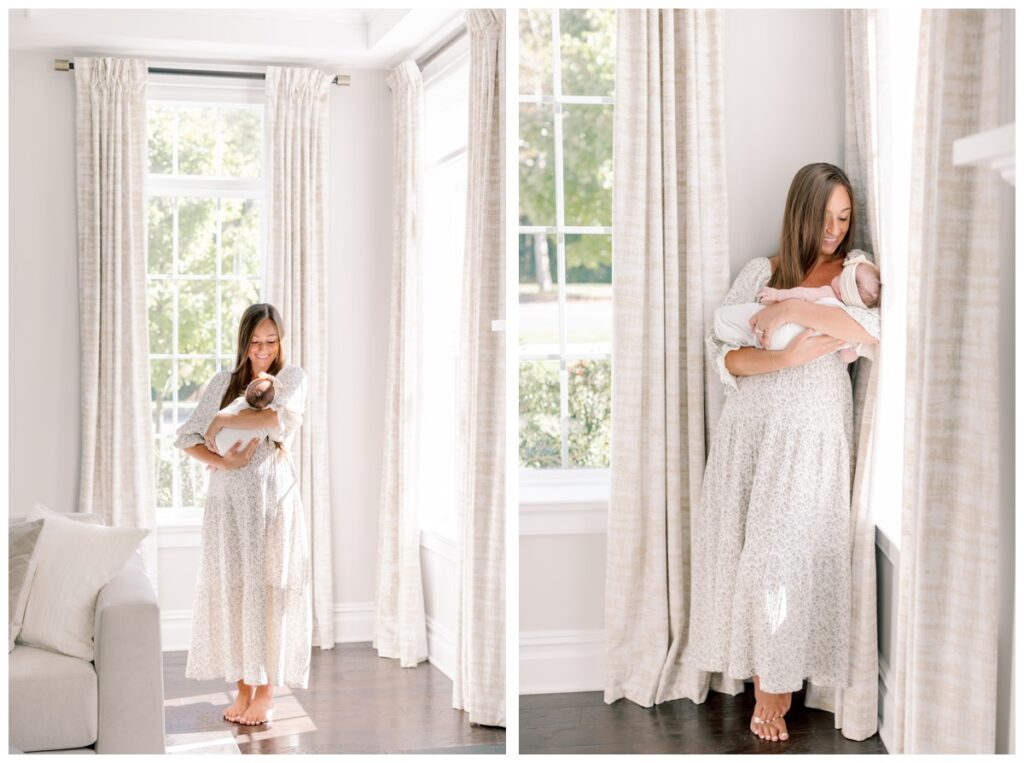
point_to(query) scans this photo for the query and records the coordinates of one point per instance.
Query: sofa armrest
(129, 664)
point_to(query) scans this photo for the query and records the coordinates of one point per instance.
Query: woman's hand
(236, 457)
(765, 321)
(804, 348)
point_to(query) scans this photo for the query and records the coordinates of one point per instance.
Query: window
(566, 77)
(445, 121)
(204, 261)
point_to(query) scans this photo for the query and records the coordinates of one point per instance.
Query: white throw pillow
(74, 561)
(21, 565)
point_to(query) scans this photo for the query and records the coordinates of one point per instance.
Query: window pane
(446, 115)
(538, 294)
(235, 296)
(536, 164)
(587, 133)
(193, 376)
(240, 237)
(160, 308)
(588, 292)
(539, 430)
(160, 125)
(197, 236)
(194, 481)
(535, 58)
(590, 413)
(587, 51)
(161, 399)
(166, 453)
(197, 140)
(242, 151)
(160, 234)
(197, 301)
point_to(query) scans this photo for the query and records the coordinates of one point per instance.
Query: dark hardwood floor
(355, 702)
(582, 723)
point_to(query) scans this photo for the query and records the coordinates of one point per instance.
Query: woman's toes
(780, 727)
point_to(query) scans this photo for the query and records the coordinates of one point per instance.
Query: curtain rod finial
(61, 65)
(343, 79)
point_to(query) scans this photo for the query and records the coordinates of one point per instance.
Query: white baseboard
(441, 647)
(353, 623)
(558, 661)
(884, 709)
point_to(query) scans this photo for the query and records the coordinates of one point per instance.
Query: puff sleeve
(744, 289)
(289, 402)
(193, 430)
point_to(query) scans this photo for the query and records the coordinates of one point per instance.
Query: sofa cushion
(52, 700)
(74, 561)
(21, 539)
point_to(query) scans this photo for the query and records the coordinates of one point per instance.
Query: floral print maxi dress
(251, 614)
(770, 587)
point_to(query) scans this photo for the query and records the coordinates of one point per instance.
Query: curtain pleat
(117, 472)
(295, 282)
(479, 681)
(946, 651)
(670, 244)
(856, 706)
(399, 621)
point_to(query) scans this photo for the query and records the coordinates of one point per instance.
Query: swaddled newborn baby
(858, 285)
(258, 395)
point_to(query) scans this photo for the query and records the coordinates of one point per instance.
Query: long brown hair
(242, 373)
(803, 223)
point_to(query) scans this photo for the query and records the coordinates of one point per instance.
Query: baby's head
(260, 393)
(860, 279)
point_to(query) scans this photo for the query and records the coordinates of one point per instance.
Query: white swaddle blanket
(228, 436)
(732, 324)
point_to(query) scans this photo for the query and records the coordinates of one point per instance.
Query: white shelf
(992, 149)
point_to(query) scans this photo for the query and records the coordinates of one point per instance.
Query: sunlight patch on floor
(289, 718)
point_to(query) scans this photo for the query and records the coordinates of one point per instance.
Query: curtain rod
(457, 35)
(64, 65)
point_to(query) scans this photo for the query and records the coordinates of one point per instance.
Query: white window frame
(436, 535)
(564, 484)
(187, 90)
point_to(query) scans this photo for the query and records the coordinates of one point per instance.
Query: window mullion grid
(175, 461)
(563, 374)
(218, 289)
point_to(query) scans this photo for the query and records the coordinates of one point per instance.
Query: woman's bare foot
(261, 709)
(766, 721)
(245, 694)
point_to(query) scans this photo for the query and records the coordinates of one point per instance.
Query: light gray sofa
(114, 704)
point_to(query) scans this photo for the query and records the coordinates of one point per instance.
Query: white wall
(784, 108)
(44, 327)
(43, 321)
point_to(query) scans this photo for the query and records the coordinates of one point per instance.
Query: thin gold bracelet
(776, 365)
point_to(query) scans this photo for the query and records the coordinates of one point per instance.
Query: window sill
(563, 486)
(563, 501)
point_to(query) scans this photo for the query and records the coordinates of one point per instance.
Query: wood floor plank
(580, 723)
(356, 702)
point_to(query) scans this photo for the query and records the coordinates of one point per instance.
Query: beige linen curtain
(946, 652)
(399, 628)
(856, 706)
(117, 477)
(479, 681)
(670, 244)
(295, 282)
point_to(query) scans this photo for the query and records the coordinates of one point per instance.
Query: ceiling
(342, 39)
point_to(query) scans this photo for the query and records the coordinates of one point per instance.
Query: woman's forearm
(832, 321)
(249, 418)
(748, 361)
(201, 453)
